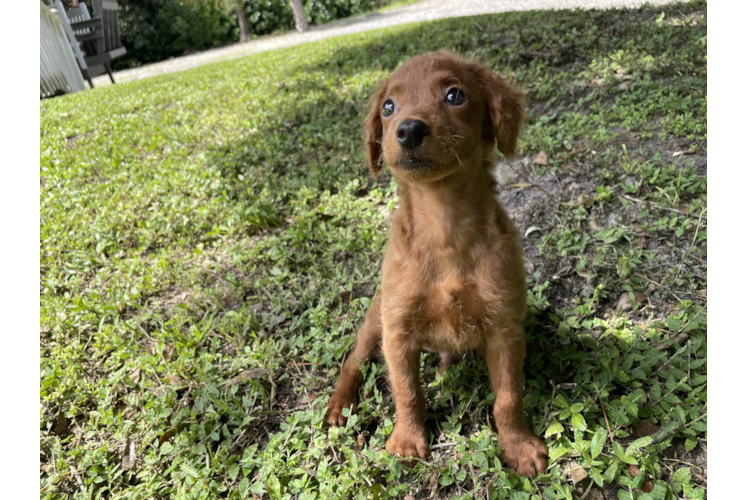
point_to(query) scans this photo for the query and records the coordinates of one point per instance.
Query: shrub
(323, 11)
(154, 30)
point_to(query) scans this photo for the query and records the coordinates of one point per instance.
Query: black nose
(410, 133)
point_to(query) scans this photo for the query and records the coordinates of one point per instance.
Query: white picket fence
(59, 71)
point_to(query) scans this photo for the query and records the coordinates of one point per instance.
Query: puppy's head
(436, 112)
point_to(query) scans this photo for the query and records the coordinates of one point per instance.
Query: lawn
(211, 239)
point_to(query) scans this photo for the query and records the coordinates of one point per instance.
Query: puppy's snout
(410, 133)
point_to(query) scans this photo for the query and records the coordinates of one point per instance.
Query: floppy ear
(373, 130)
(504, 106)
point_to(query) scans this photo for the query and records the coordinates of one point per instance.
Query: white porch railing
(59, 72)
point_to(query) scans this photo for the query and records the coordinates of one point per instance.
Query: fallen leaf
(625, 85)
(644, 428)
(595, 494)
(361, 441)
(577, 473)
(62, 424)
(529, 268)
(307, 398)
(246, 375)
(129, 458)
(135, 376)
(170, 433)
(343, 297)
(582, 199)
(275, 320)
(681, 338)
(585, 200)
(592, 225)
(583, 274)
(624, 301)
(531, 229)
(540, 159)
(521, 185)
(568, 166)
(686, 152)
(169, 353)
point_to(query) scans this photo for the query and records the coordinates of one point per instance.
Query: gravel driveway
(426, 10)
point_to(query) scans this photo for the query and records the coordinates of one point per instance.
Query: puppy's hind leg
(367, 341)
(445, 362)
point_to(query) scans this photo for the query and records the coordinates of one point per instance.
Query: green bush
(266, 16)
(154, 30)
(323, 11)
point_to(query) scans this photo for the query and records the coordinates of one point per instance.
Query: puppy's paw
(409, 443)
(338, 401)
(524, 453)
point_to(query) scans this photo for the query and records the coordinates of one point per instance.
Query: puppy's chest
(455, 313)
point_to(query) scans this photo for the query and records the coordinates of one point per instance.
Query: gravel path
(426, 10)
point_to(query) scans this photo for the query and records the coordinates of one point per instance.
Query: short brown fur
(452, 276)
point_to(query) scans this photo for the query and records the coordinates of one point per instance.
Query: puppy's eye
(388, 108)
(455, 97)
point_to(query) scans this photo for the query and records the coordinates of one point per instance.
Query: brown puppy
(452, 276)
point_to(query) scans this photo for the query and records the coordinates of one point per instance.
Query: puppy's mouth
(412, 162)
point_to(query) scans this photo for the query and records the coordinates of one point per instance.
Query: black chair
(97, 35)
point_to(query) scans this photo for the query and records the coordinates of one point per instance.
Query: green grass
(210, 240)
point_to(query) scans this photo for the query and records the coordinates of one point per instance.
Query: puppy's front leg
(403, 358)
(505, 354)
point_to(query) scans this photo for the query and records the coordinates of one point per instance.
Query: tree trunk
(244, 37)
(299, 16)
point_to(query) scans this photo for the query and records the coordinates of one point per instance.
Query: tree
(244, 37)
(299, 16)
